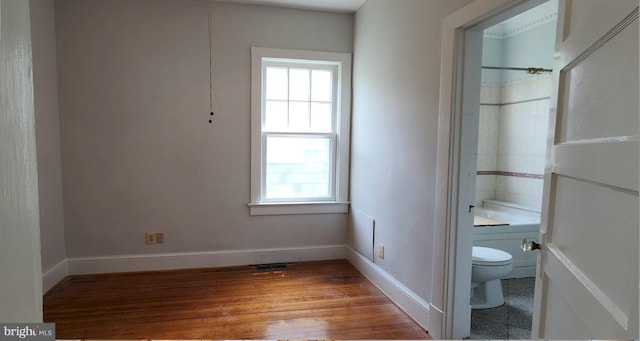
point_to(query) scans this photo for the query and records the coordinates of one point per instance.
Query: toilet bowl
(488, 266)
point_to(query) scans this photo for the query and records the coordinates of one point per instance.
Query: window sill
(299, 208)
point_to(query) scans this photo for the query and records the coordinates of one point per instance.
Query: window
(300, 111)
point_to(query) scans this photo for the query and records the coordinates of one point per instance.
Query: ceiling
(343, 6)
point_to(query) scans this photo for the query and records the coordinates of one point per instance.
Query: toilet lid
(489, 256)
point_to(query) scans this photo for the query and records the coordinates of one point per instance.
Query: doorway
(590, 174)
(515, 96)
(460, 101)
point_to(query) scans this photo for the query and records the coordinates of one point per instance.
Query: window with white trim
(300, 112)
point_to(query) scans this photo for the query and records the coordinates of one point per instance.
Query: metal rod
(529, 70)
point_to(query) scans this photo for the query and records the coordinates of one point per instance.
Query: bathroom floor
(512, 320)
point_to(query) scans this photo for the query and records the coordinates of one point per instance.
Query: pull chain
(210, 67)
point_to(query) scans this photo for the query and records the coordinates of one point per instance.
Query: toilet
(488, 266)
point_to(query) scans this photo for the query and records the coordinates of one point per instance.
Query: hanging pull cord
(210, 66)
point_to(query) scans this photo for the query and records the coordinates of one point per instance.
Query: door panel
(598, 234)
(587, 302)
(583, 22)
(561, 318)
(588, 280)
(588, 115)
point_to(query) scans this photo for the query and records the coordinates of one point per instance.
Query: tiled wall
(512, 140)
(488, 137)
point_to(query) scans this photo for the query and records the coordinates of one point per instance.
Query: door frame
(450, 312)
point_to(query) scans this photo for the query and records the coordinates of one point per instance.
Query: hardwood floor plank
(311, 300)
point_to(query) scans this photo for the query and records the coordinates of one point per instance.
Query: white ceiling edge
(525, 21)
(339, 6)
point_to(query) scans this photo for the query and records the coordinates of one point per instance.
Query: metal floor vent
(270, 267)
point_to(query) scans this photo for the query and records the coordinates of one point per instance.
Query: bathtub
(508, 238)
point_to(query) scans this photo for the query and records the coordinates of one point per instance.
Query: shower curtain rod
(529, 70)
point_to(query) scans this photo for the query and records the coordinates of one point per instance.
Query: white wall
(137, 151)
(394, 130)
(20, 269)
(43, 42)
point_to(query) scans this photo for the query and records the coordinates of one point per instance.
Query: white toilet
(487, 267)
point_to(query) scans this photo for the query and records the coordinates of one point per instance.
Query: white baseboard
(436, 316)
(404, 298)
(54, 275)
(188, 260)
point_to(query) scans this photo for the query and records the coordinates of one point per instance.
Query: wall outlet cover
(150, 238)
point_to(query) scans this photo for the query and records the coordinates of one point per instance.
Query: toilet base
(487, 295)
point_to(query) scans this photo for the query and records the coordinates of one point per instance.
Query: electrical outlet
(159, 238)
(381, 251)
(150, 238)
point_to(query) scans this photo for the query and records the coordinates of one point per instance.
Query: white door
(587, 285)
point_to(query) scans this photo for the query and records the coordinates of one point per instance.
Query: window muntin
(299, 98)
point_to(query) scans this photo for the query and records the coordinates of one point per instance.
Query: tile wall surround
(512, 140)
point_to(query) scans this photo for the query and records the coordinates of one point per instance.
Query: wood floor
(312, 300)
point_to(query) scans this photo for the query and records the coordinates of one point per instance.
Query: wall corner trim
(402, 296)
(54, 275)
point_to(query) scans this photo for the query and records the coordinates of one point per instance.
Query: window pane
(277, 83)
(298, 116)
(299, 84)
(321, 86)
(276, 116)
(320, 118)
(298, 167)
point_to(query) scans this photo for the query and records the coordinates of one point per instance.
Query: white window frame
(338, 203)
